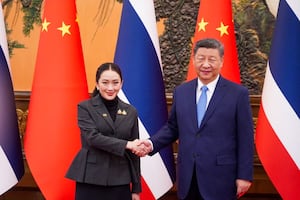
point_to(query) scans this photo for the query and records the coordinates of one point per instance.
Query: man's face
(208, 63)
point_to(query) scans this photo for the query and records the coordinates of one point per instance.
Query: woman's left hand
(135, 196)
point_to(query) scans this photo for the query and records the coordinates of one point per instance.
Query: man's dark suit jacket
(102, 159)
(221, 149)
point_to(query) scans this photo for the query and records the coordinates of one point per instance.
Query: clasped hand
(139, 147)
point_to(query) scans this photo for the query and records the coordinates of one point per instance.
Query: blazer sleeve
(136, 164)
(245, 137)
(169, 132)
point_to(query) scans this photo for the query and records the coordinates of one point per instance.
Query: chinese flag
(52, 137)
(215, 21)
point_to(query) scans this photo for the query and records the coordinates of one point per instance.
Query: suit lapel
(122, 114)
(189, 104)
(193, 103)
(102, 111)
(215, 100)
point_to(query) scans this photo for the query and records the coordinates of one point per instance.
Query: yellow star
(77, 19)
(45, 25)
(222, 29)
(202, 25)
(64, 29)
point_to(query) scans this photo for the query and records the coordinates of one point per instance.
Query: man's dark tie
(201, 105)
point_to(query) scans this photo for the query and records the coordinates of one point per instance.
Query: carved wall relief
(253, 26)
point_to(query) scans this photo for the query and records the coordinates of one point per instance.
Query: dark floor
(172, 196)
(32, 194)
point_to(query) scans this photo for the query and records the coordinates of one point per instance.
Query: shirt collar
(211, 86)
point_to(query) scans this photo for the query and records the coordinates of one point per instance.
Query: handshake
(139, 147)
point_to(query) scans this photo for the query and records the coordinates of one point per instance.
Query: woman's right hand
(139, 147)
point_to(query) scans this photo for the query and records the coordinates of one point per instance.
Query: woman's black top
(111, 106)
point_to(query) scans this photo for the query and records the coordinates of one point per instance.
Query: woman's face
(109, 84)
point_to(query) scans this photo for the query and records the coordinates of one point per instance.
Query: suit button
(195, 155)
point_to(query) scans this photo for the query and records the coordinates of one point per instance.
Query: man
(215, 158)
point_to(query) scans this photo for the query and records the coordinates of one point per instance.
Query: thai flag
(11, 159)
(138, 54)
(278, 126)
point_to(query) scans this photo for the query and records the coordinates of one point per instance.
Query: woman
(105, 168)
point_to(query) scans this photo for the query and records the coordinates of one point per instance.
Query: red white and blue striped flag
(11, 159)
(138, 54)
(278, 126)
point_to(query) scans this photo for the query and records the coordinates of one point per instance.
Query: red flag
(52, 137)
(215, 21)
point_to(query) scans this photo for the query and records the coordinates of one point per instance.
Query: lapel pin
(104, 115)
(121, 112)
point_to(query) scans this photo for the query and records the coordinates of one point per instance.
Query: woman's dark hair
(104, 67)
